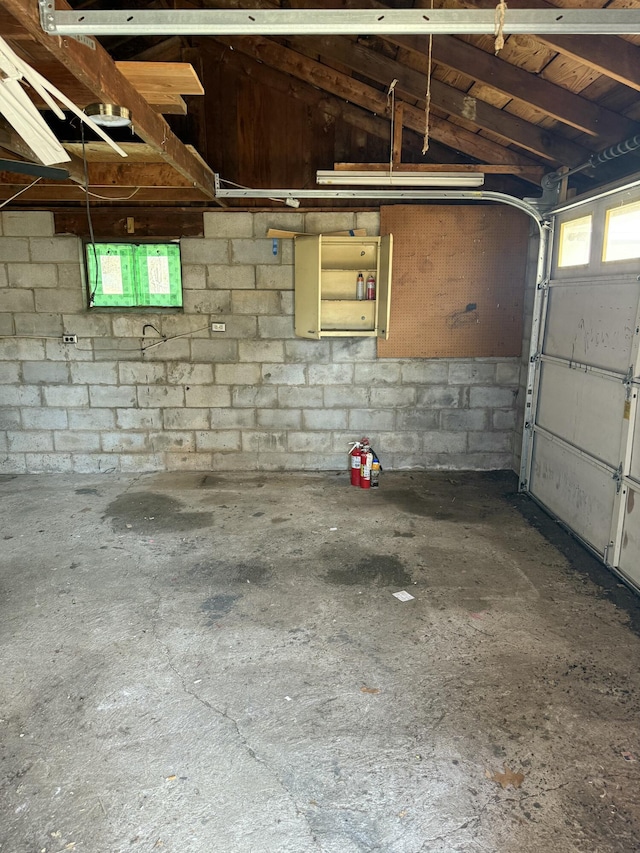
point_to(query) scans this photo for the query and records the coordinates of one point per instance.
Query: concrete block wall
(252, 398)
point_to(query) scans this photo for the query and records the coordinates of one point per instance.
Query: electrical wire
(15, 195)
(109, 197)
(92, 290)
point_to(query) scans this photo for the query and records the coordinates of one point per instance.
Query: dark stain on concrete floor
(149, 512)
(376, 569)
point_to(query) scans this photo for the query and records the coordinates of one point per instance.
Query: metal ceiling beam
(283, 22)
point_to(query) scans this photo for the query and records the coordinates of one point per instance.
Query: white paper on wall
(158, 273)
(111, 274)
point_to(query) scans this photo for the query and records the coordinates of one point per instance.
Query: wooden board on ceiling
(100, 152)
(161, 78)
(458, 281)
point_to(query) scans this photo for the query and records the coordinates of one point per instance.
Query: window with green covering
(134, 275)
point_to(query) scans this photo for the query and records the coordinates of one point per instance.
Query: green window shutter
(110, 271)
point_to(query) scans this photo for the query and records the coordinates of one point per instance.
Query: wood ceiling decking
(275, 110)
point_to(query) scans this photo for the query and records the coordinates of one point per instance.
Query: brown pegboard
(458, 278)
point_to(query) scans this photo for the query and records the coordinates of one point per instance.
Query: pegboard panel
(457, 280)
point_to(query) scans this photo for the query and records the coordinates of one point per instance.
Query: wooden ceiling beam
(530, 173)
(96, 70)
(382, 69)
(344, 86)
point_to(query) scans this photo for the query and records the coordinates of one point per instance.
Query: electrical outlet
(69, 339)
(218, 327)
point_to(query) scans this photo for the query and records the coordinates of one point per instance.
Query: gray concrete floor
(217, 663)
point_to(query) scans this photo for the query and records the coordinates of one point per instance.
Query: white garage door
(581, 455)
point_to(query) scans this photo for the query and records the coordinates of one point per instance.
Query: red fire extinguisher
(366, 461)
(355, 458)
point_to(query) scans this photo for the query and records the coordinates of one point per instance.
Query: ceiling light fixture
(108, 115)
(370, 178)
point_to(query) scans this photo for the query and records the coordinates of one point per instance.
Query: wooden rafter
(96, 70)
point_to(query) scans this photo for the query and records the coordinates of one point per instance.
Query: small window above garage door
(622, 233)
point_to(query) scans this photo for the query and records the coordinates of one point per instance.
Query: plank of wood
(532, 173)
(347, 87)
(278, 232)
(58, 192)
(162, 78)
(96, 70)
(166, 223)
(412, 83)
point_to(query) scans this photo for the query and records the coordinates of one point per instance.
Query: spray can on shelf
(360, 287)
(355, 461)
(371, 287)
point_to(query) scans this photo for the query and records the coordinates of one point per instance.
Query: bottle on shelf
(360, 287)
(371, 287)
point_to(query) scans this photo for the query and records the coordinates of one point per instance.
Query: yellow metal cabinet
(326, 274)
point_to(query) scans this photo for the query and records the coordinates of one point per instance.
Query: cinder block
(6, 324)
(417, 419)
(3, 275)
(209, 440)
(187, 461)
(160, 396)
(472, 372)
(57, 351)
(237, 277)
(173, 441)
(35, 223)
(38, 324)
(214, 350)
(36, 372)
(331, 374)
(189, 374)
(254, 396)
(283, 374)
(92, 419)
(393, 442)
(386, 398)
(353, 349)
(124, 442)
(346, 396)
(72, 275)
(194, 276)
(13, 464)
(32, 275)
(313, 352)
(181, 324)
(255, 302)
(502, 398)
(14, 249)
(228, 418)
(253, 252)
(439, 397)
(141, 373)
(9, 418)
(504, 419)
(283, 220)
(16, 300)
(183, 418)
(61, 300)
(444, 442)
(141, 462)
(20, 395)
(237, 374)
(48, 463)
(322, 223)
(261, 351)
(141, 418)
(95, 463)
(206, 301)
(309, 442)
(464, 419)
(294, 397)
(286, 252)
(274, 278)
(77, 442)
(227, 224)
(278, 418)
(244, 326)
(10, 373)
(486, 461)
(110, 396)
(55, 249)
(264, 442)
(425, 372)
(325, 419)
(194, 250)
(90, 373)
(44, 419)
(206, 396)
(21, 350)
(365, 421)
(30, 441)
(67, 396)
(132, 325)
(490, 442)
(169, 351)
(276, 327)
(508, 373)
(369, 220)
(88, 325)
(377, 373)
(4, 448)
(286, 303)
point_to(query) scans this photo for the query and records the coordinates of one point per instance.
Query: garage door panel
(630, 546)
(592, 323)
(574, 489)
(635, 453)
(583, 408)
